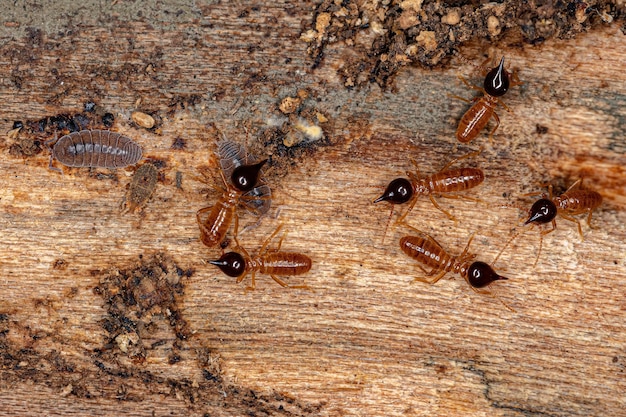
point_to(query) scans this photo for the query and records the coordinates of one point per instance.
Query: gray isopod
(94, 148)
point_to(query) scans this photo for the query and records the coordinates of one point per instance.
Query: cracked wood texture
(104, 313)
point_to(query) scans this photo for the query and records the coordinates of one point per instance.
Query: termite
(574, 201)
(233, 155)
(239, 263)
(444, 182)
(94, 148)
(426, 250)
(214, 226)
(497, 83)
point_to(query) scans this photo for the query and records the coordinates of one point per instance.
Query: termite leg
(491, 293)
(469, 242)
(474, 87)
(541, 235)
(589, 218)
(417, 170)
(279, 281)
(269, 239)
(460, 98)
(252, 285)
(483, 65)
(237, 245)
(438, 207)
(408, 210)
(497, 119)
(285, 285)
(431, 281)
(514, 80)
(199, 213)
(579, 183)
(575, 220)
(455, 160)
(387, 226)
(507, 108)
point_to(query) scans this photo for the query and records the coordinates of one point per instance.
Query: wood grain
(365, 340)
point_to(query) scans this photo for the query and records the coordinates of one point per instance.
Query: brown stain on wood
(365, 340)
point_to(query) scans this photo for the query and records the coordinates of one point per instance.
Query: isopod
(141, 187)
(94, 148)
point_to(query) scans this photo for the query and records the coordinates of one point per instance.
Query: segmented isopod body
(95, 148)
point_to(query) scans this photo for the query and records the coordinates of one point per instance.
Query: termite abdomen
(399, 191)
(454, 180)
(480, 274)
(286, 263)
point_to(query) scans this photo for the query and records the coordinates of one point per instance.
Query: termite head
(480, 274)
(543, 211)
(231, 263)
(497, 81)
(245, 177)
(398, 191)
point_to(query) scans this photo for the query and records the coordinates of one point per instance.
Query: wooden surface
(365, 340)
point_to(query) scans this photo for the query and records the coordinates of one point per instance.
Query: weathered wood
(365, 340)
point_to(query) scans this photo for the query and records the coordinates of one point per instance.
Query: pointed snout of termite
(500, 278)
(383, 197)
(535, 217)
(501, 66)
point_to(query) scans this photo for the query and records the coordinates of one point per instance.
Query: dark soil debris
(30, 139)
(383, 37)
(139, 301)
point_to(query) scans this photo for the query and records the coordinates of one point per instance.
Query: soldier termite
(573, 202)
(274, 263)
(426, 250)
(444, 182)
(141, 187)
(497, 83)
(94, 148)
(241, 188)
(233, 155)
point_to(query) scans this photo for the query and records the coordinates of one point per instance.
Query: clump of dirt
(29, 137)
(296, 128)
(384, 36)
(139, 301)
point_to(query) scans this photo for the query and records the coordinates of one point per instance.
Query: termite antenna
(508, 242)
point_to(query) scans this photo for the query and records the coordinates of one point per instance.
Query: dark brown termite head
(398, 191)
(542, 211)
(480, 274)
(245, 177)
(232, 264)
(497, 81)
